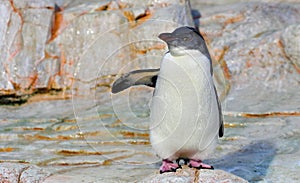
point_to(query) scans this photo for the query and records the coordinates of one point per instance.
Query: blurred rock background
(58, 59)
(62, 45)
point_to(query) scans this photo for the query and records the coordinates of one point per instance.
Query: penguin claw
(171, 170)
(202, 167)
(199, 165)
(168, 166)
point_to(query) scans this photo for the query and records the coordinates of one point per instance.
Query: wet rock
(25, 173)
(192, 175)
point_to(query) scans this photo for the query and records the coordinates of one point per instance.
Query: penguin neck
(185, 53)
(191, 56)
(177, 51)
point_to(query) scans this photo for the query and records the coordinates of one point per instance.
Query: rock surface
(184, 175)
(77, 48)
(256, 44)
(23, 173)
(198, 176)
(70, 44)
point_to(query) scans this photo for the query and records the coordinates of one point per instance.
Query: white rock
(193, 175)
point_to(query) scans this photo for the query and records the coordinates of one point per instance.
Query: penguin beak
(167, 37)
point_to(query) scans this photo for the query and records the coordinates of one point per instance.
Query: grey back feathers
(202, 45)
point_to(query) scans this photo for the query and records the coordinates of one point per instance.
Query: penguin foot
(168, 166)
(199, 165)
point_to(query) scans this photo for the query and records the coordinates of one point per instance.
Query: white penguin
(186, 116)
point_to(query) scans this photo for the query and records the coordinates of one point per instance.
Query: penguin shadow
(251, 162)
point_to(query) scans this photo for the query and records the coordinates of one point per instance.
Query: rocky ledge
(21, 173)
(187, 174)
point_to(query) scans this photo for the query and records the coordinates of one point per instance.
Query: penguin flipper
(221, 128)
(146, 77)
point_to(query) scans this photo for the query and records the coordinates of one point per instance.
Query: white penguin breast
(183, 103)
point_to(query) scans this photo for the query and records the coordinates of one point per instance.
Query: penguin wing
(146, 77)
(221, 129)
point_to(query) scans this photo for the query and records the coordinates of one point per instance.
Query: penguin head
(183, 39)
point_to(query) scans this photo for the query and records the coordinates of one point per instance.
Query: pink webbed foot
(168, 166)
(199, 165)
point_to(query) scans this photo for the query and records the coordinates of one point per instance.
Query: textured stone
(128, 40)
(83, 45)
(249, 44)
(257, 46)
(23, 173)
(63, 44)
(291, 43)
(33, 4)
(97, 145)
(24, 32)
(192, 175)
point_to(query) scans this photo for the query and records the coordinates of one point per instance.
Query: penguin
(186, 115)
